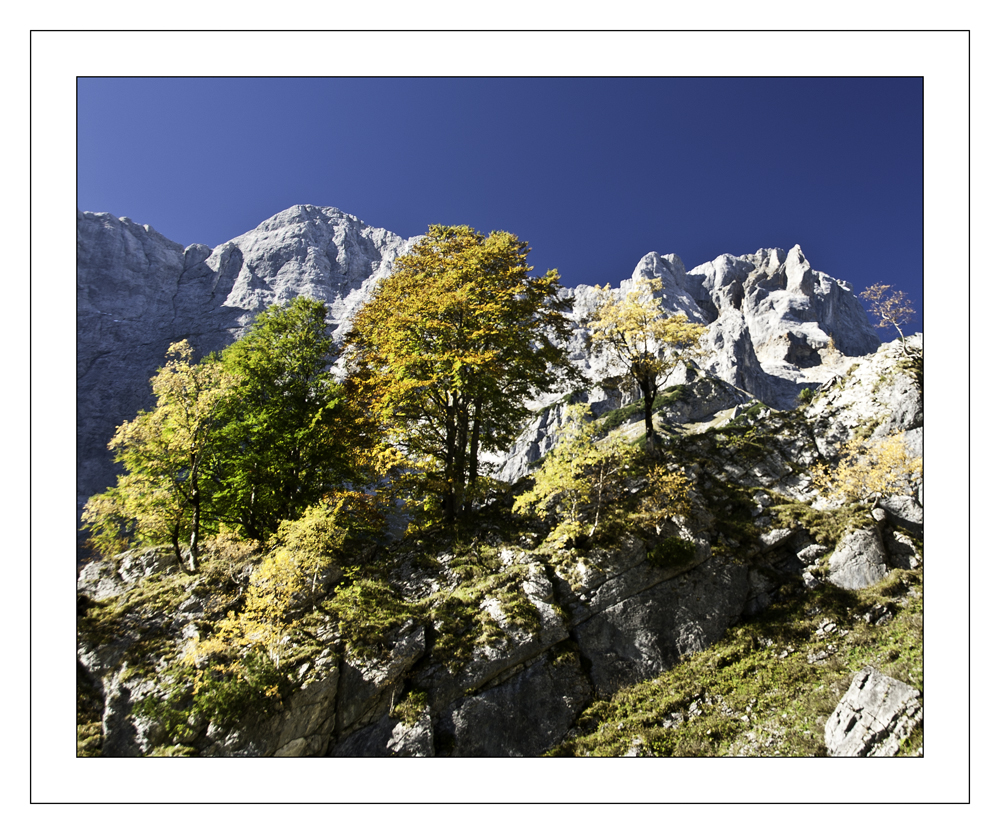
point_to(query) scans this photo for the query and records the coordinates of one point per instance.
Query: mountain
(766, 619)
(775, 324)
(138, 292)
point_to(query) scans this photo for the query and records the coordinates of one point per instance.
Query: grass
(768, 687)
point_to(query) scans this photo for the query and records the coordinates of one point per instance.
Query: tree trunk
(195, 531)
(474, 450)
(648, 387)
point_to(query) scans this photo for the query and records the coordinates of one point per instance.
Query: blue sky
(592, 172)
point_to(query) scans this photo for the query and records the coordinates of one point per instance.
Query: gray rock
(648, 632)
(874, 717)
(859, 560)
(904, 511)
(367, 684)
(524, 716)
(389, 737)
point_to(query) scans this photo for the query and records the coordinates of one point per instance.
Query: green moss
(826, 527)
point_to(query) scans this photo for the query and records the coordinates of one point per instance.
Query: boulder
(874, 717)
(859, 560)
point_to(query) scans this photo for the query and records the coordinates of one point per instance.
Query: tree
(644, 340)
(580, 479)
(449, 348)
(889, 310)
(250, 438)
(292, 434)
(584, 478)
(868, 471)
(167, 454)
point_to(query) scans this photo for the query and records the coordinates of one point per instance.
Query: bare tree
(890, 310)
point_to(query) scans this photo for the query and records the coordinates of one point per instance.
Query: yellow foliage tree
(166, 454)
(579, 478)
(285, 581)
(449, 348)
(644, 340)
(868, 471)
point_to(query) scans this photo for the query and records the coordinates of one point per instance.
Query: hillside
(735, 627)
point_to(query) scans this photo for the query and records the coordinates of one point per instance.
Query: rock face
(137, 292)
(604, 617)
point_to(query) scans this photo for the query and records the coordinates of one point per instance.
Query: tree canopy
(167, 455)
(644, 340)
(249, 438)
(291, 434)
(451, 346)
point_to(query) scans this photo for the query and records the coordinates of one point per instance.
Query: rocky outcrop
(590, 620)
(875, 716)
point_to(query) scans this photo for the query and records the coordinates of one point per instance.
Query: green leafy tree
(250, 438)
(291, 434)
(168, 454)
(644, 340)
(451, 346)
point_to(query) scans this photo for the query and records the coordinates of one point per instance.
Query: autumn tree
(891, 309)
(251, 438)
(450, 347)
(167, 454)
(643, 339)
(868, 470)
(582, 481)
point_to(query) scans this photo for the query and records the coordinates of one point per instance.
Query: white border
(57, 58)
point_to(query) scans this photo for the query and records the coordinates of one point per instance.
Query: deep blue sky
(592, 172)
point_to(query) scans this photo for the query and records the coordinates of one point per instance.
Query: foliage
(672, 552)
(449, 348)
(411, 709)
(291, 433)
(248, 439)
(868, 471)
(581, 479)
(645, 341)
(368, 610)
(806, 396)
(222, 691)
(284, 583)
(168, 455)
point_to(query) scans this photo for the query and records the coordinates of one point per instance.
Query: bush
(672, 552)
